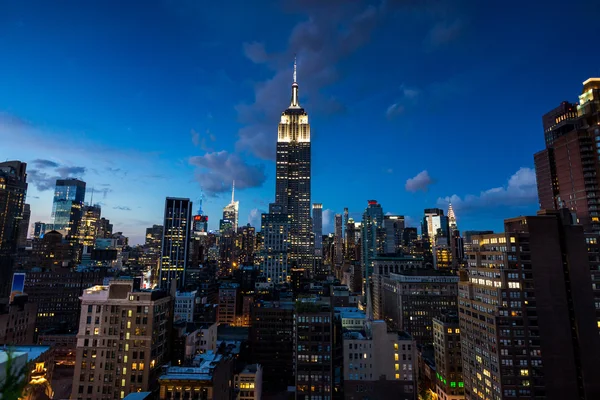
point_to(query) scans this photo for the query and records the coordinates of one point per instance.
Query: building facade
(448, 359)
(275, 246)
(175, 242)
(122, 341)
(527, 319)
(69, 196)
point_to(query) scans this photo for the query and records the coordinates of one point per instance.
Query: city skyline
(140, 129)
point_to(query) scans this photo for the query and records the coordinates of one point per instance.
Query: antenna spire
(92, 199)
(295, 69)
(232, 191)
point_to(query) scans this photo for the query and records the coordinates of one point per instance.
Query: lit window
(457, 330)
(122, 382)
(397, 376)
(396, 344)
(396, 357)
(524, 372)
(449, 330)
(129, 313)
(397, 367)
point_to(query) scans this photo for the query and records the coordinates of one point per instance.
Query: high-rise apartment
(448, 360)
(338, 240)
(527, 317)
(67, 206)
(175, 241)
(87, 232)
(317, 214)
(293, 175)
(568, 170)
(123, 340)
(318, 350)
(13, 189)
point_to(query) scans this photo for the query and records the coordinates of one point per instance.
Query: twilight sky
(411, 102)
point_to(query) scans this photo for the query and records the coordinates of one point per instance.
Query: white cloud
(328, 221)
(254, 217)
(520, 190)
(420, 182)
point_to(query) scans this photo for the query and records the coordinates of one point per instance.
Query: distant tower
(231, 211)
(317, 214)
(293, 171)
(67, 207)
(338, 240)
(451, 218)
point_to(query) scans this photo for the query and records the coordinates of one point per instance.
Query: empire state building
(292, 190)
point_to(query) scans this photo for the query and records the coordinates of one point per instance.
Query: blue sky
(411, 103)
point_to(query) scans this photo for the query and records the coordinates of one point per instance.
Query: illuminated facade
(175, 241)
(88, 226)
(293, 174)
(568, 169)
(67, 205)
(230, 213)
(275, 246)
(373, 235)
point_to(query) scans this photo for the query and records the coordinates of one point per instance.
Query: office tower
(175, 241)
(448, 360)
(293, 175)
(378, 363)
(230, 213)
(13, 189)
(338, 240)
(451, 219)
(318, 228)
(245, 245)
(345, 224)
(393, 226)
(152, 247)
(435, 224)
(409, 237)
(39, 228)
(568, 170)
(274, 253)
(272, 342)
(69, 196)
(319, 356)
(412, 298)
(201, 220)
(350, 241)
(51, 252)
(89, 225)
(227, 258)
(373, 235)
(527, 319)
(122, 342)
(105, 229)
(24, 226)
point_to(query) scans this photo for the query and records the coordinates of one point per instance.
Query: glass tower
(67, 207)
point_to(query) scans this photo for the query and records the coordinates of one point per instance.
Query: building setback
(293, 176)
(527, 317)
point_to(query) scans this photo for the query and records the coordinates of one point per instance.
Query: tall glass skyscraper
(175, 242)
(67, 207)
(293, 173)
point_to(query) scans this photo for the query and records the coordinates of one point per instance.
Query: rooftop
(350, 312)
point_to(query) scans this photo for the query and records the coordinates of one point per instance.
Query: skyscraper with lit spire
(451, 218)
(231, 211)
(292, 190)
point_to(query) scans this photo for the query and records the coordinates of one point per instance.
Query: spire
(451, 216)
(232, 191)
(294, 102)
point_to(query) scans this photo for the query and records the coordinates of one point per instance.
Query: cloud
(325, 38)
(443, 32)
(44, 163)
(254, 217)
(420, 182)
(122, 208)
(47, 172)
(217, 170)
(408, 97)
(328, 221)
(199, 140)
(521, 190)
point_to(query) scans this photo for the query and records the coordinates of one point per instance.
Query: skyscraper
(67, 206)
(13, 189)
(24, 225)
(293, 175)
(338, 240)
(175, 242)
(230, 213)
(274, 253)
(318, 228)
(372, 235)
(87, 232)
(393, 226)
(568, 170)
